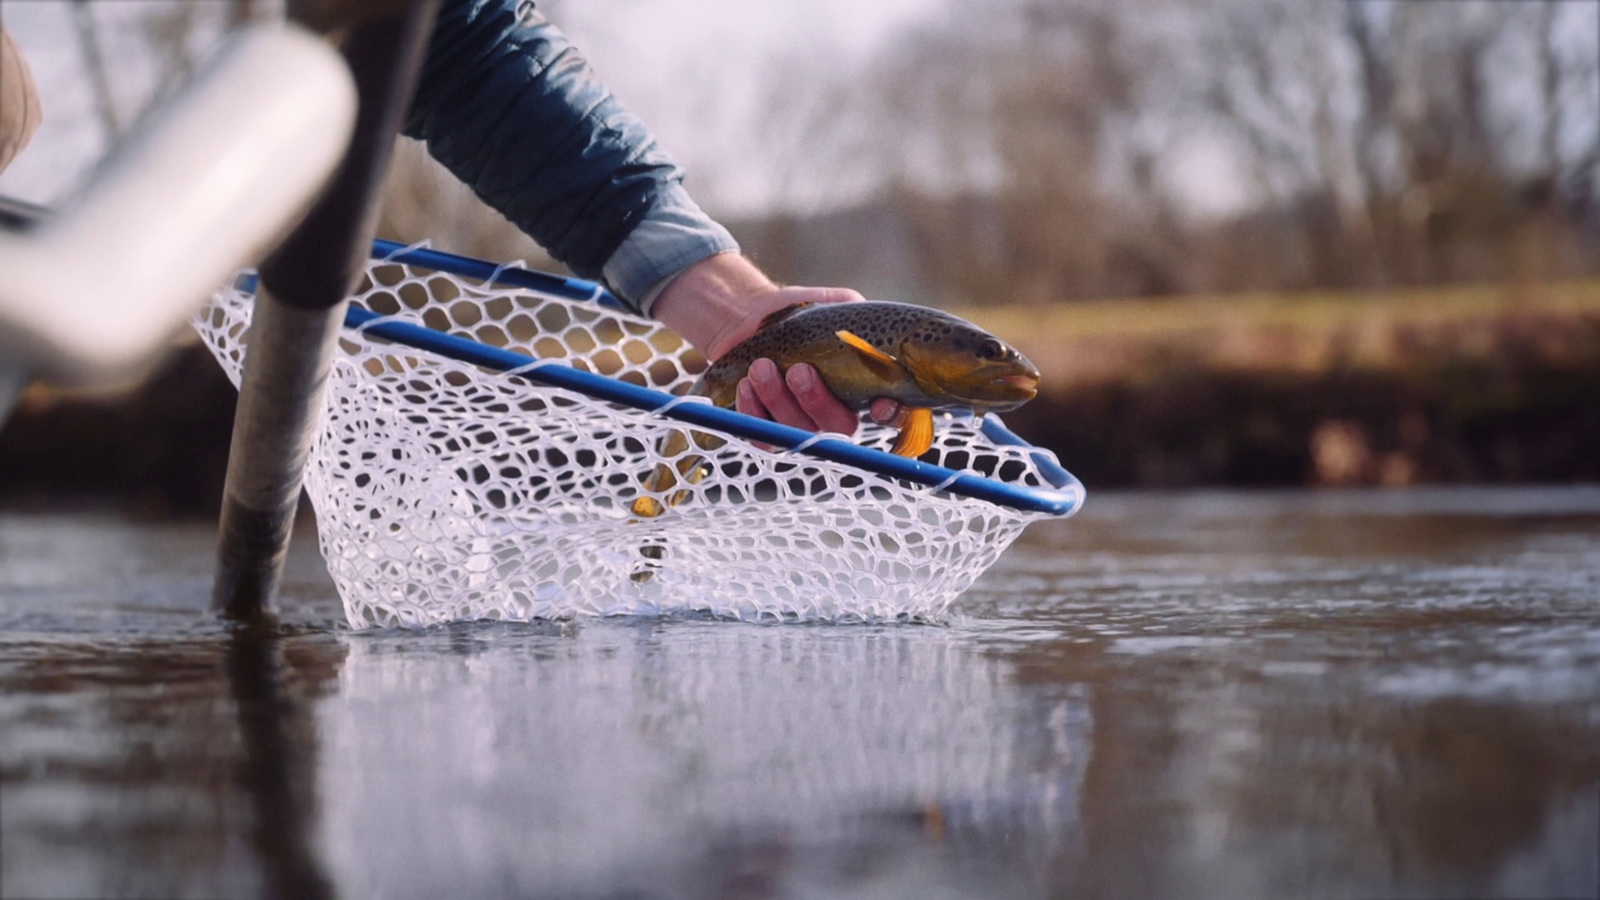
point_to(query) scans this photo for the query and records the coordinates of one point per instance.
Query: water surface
(1213, 695)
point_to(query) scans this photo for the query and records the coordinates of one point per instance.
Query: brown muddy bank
(1526, 409)
(160, 448)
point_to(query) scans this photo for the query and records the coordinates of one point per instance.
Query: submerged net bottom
(445, 492)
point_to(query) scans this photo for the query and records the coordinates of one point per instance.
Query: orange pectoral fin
(865, 348)
(880, 363)
(916, 433)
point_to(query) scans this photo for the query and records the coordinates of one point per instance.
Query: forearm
(722, 300)
(710, 303)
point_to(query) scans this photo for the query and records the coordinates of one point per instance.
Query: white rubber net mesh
(446, 492)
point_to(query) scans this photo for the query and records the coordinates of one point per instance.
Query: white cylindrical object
(209, 184)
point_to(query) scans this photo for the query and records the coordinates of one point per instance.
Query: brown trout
(922, 358)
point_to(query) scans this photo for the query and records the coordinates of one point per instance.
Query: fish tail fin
(664, 477)
(661, 478)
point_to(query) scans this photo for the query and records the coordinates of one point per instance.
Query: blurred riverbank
(1496, 384)
(1465, 385)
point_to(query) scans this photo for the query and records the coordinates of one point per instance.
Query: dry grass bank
(1135, 340)
(1490, 384)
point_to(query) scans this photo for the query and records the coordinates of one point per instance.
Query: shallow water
(1267, 695)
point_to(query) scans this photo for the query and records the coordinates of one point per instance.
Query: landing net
(445, 491)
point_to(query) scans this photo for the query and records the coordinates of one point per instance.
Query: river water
(1357, 694)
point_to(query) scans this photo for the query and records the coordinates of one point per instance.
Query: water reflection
(161, 768)
(1168, 697)
(691, 759)
(278, 754)
(1325, 708)
(94, 790)
(1213, 776)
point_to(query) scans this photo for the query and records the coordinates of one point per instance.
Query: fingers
(775, 395)
(884, 411)
(749, 403)
(820, 295)
(798, 398)
(818, 402)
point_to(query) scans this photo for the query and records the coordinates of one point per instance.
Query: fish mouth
(1003, 393)
(1028, 383)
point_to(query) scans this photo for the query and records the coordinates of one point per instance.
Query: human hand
(720, 301)
(799, 398)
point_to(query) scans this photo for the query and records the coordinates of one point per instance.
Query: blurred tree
(1408, 143)
(87, 29)
(1027, 152)
(174, 35)
(1013, 149)
(168, 31)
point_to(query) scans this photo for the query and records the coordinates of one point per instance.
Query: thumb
(822, 295)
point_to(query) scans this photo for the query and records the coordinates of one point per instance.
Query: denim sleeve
(674, 235)
(506, 103)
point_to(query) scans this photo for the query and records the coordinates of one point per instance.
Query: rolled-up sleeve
(506, 103)
(673, 236)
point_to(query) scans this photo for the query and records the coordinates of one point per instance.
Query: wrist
(710, 302)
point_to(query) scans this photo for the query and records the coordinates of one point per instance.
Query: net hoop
(446, 490)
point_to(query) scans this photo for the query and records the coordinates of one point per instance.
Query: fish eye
(991, 349)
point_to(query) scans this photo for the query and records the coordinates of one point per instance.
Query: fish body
(922, 358)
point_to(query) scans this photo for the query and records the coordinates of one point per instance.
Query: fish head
(960, 363)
